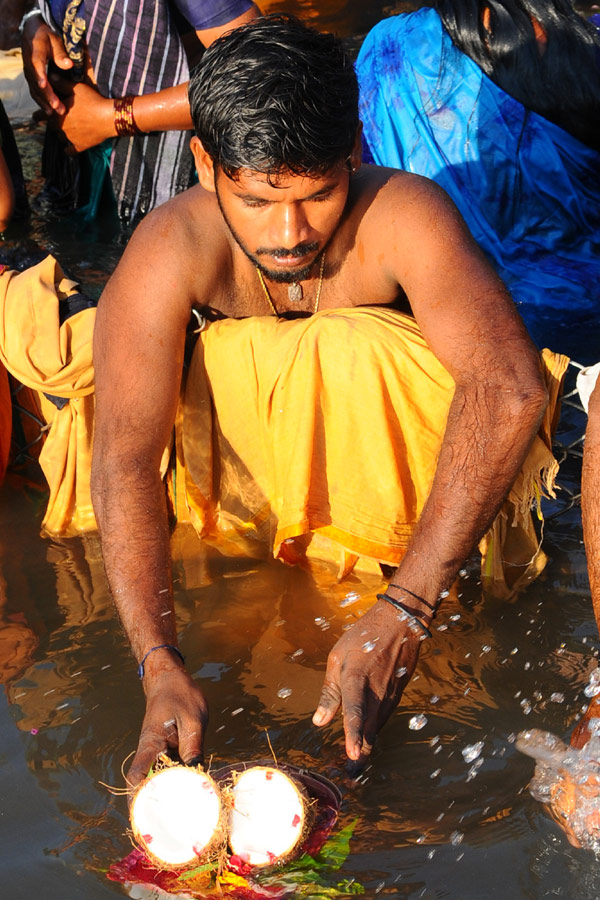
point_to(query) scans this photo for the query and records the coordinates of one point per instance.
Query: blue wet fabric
(528, 190)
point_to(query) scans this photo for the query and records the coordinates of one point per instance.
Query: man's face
(283, 223)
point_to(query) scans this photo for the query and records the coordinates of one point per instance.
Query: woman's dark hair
(275, 95)
(559, 79)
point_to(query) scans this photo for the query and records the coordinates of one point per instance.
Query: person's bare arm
(7, 194)
(469, 321)
(88, 118)
(590, 498)
(138, 357)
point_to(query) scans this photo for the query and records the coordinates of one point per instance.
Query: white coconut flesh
(267, 818)
(175, 815)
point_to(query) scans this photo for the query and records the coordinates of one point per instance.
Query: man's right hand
(176, 718)
(42, 46)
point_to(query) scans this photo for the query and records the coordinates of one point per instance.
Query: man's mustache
(298, 251)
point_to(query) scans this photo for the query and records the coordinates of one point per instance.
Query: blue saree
(528, 190)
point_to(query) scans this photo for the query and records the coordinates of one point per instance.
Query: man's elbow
(528, 403)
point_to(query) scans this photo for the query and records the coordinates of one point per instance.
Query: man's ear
(356, 155)
(204, 164)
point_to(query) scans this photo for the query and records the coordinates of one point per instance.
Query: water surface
(430, 824)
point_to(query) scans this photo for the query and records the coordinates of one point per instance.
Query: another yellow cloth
(54, 359)
(331, 426)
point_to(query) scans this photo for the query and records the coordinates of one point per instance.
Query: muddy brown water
(256, 634)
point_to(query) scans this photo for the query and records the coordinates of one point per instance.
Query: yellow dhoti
(316, 435)
(330, 427)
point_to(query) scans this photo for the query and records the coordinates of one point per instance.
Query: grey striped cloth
(134, 48)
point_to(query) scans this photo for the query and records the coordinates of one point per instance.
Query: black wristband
(413, 620)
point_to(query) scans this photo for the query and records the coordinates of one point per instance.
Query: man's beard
(281, 276)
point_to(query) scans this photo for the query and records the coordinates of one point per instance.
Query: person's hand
(41, 46)
(575, 801)
(89, 118)
(176, 719)
(367, 671)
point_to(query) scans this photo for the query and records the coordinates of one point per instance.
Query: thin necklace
(317, 297)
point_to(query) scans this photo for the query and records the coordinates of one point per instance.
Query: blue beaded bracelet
(176, 650)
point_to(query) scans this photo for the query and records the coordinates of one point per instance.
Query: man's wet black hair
(275, 95)
(559, 80)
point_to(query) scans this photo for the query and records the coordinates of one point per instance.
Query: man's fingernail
(195, 761)
(319, 716)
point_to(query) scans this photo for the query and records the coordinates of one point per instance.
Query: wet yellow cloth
(331, 426)
(54, 359)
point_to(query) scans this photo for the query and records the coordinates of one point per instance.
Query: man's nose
(289, 226)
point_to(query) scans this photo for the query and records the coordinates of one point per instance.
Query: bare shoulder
(405, 200)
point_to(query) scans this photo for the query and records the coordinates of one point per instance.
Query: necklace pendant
(295, 292)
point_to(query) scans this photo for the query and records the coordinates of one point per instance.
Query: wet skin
(391, 237)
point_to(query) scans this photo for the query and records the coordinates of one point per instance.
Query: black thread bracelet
(413, 619)
(176, 650)
(412, 594)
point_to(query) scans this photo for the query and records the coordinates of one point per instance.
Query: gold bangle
(125, 123)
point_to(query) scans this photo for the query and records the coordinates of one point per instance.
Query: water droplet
(443, 594)
(284, 693)
(455, 617)
(431, 854)
(434, 740)
(442, 628)
(421, 839)
(466, 691)
(592, 690)
(401, 672)
(236, 712)
(527, 666)
(297, 653)
(485, 648)
(435, 773)
(369, 645)
(434, 698)
(526, 706)
(456, 838)
(471, 774)
(472, 751)
(462, 573)
(417, 722)
(320, 621)
(514, 650)
(350, 598)
(537, 695)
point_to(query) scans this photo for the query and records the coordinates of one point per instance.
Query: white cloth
(586, 382)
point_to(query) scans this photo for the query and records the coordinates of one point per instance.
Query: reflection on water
(433, 810)
(436, 818)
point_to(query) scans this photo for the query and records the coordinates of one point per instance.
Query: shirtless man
(278, 156)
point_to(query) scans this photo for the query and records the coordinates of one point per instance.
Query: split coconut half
(268, 818)
(177, 816)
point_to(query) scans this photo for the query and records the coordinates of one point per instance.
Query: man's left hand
(89, 117)
(367, 671)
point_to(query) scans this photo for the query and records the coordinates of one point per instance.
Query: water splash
(568, 780)
(415, 723)
(472, 751)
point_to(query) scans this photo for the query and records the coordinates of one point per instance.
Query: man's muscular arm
(138, 357)
(470, 323)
